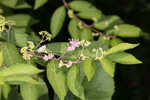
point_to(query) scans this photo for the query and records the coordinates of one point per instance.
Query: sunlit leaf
(39, 3)
(57, 79)
(123, 58)
(88, 69)
(73, 82)
(120, 47)
(57, 20)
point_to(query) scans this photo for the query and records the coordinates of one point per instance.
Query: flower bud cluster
(98, 55)
(4, 22)
(68, 64)
(45, 35)
(25, 50)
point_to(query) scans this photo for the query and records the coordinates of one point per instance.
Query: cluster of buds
(25, 50)
(73, 45)
(99, 53)
(45, 36)
(47, 56)
(4, 22)
(68, 64)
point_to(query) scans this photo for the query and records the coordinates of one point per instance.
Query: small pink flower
(45, 58)
(74, 43)
(71, 48)
(42, 49)
(50, 56)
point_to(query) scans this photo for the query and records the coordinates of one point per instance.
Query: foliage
(81, 69)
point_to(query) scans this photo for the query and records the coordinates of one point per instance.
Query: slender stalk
(84, 24)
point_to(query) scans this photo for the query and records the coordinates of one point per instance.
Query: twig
(84, 24)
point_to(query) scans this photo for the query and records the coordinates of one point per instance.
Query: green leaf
(90, 15)
(57, 20)
(57, 79)
(21, 20)
(101, 87)
(108, 66)
(21, 4)
(9, 3)
(123, 58)
(39, 3)
(0, 92)
(86, 34)
(20, 69)
(107, 22)
(73, 29)
(120, 47)
(1, 59)
(58, 48)
(10, 54)
(88, 68)
(34, 91)
(21, 37)
(5, 91)
(73, 82)
(81, 6)
(126, 30)
(115, 41)
(15, 80)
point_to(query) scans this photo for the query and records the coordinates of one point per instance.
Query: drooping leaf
(86, 34)
(39, 3)
(57, 79)
(22, 79)
(5, 91)
(21, 20)
(120, 47)
(34, 91)
(126, 30)
(88, 68)
(9, 3)
(20, 69)
(90, 15)
(106, 22)
(21, 37)
(81, 6)
(10, 54)
(123, 58)
(73, 29)
(1, 58)
(57, 20)
(22, 4)
(115, 41)
(108, 66)
(101, 87)
(73, 82)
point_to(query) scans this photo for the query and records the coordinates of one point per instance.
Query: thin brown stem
(84, 24)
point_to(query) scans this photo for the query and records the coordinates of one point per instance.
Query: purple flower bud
(50, 56)
(42, 49)
(70, 48)
(45, 58)
(74, 43)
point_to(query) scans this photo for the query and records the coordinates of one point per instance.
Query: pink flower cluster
(73, 45)
(48, 57)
